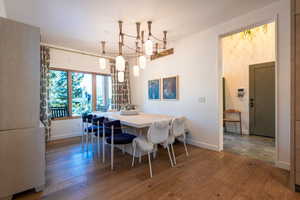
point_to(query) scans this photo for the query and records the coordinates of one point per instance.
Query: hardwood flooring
(208, 175)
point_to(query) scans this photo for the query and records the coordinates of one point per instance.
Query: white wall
(196, 61)
(75, 61)
(2, 9)
(237, 54)
(65, 128)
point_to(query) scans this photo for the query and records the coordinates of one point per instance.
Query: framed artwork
(170, 88)
(154, 89)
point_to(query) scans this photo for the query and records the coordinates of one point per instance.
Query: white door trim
(220, 84)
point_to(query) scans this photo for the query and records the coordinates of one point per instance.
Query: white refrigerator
(22, 140)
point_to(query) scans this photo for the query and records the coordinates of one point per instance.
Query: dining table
(140, 122)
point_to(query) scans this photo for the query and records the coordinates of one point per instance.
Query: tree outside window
(58, 92)
(81, 93)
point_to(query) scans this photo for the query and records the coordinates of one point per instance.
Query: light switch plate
(202, 100)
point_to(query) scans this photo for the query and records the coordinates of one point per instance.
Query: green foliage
(81, 99)
(58, 92)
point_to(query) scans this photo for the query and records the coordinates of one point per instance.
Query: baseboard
(58, 137)
(202, 144)
(283, 165)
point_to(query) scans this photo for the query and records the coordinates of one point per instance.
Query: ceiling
(82, 24)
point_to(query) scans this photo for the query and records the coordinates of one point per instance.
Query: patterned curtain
(44, 93)
(120, 91)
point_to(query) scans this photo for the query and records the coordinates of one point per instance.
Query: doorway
(249, 106)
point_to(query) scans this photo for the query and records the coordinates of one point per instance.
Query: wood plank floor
(207, 175)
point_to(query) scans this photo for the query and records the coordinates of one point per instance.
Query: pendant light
(145, 47)
(102, 61)
(136, 71)
(149, 43)
(142, 62)
(121, 77)
(120, 61)
(149, 47)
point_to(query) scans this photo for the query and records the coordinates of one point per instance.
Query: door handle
(251, 102)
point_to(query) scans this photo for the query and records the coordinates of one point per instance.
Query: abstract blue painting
(170, 88)
(154, 89)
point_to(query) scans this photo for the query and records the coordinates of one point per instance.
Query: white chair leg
(98, 144)
(82, 135)
(92, 144)
(173, 153)
(155, 152)
(112, 149)
(87, 142)
(133, 154)
(123, 149)
(140, 156)
(170, 156)
(103, 145)
(112, 157)
(186, 151)
(98, 139)
(150, 167)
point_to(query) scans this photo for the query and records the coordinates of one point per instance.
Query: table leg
(140, 132)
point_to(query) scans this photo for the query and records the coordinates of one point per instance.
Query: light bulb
(102, 63)
(121, 77)
(142, 62)
(149, 47)
(120, 63)
(136, 71)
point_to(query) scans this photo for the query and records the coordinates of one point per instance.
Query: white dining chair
(177, 131)
(157, 134)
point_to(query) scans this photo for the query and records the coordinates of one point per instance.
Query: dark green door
(262, 99)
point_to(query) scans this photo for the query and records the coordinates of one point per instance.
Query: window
(87, 92)
(103, 92)
(81, 93)
(58, 93)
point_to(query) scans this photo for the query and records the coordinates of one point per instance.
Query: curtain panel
(44, 91)
(121, 95)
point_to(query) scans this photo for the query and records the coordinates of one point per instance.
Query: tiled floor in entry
(261, 148)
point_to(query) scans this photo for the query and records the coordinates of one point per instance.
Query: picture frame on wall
(154, 89)
(170, 88)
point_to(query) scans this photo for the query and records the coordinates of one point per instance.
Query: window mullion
(94, 92)
(70, 92)
(105, 89)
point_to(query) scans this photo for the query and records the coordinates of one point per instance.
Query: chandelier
(144, 49)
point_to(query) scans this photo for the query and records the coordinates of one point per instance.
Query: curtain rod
(75, 51)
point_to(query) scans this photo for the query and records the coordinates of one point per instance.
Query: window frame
(94, 90)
